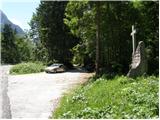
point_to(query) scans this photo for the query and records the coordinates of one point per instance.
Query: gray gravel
(37, 95)
(5, 111)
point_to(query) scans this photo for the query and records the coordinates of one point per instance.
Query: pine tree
(53, 33)
(9, 50)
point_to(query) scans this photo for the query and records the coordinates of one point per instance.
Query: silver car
(54, 68)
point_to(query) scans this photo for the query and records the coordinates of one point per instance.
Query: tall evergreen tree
(116, 21)
(98, 13)
(9, 50)
(53, 33)
(150, 27)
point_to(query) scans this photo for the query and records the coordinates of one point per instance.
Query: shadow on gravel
(74, 70)
(77, 70)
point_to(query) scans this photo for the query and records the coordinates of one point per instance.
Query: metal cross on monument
(133, 38)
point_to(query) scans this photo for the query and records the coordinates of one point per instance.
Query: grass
(26, 68)
(117, 98)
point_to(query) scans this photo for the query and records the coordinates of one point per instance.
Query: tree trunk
(97, 37)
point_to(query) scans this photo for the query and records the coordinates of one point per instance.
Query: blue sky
(19, 11)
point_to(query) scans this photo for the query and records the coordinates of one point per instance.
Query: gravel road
(36, 95)
(5, 111)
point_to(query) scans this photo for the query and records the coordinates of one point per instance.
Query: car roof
(56, 64)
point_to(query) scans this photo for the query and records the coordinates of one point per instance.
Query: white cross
(133, 38)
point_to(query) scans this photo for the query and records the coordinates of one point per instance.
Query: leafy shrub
(25, 68)
(118, 98)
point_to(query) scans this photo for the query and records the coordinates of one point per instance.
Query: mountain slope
(5, 20)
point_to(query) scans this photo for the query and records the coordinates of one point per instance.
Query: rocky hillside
(4, 20)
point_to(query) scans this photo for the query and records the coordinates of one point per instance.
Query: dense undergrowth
(120, 97)
(25, 68)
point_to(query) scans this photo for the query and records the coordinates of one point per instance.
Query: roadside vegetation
(29, 67)
(120, 97)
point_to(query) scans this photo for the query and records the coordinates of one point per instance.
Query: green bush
(117, 98)
(25, 68)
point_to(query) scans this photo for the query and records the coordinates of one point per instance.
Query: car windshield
(53, 65)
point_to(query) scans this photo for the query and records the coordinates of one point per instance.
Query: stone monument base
(139, 62)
